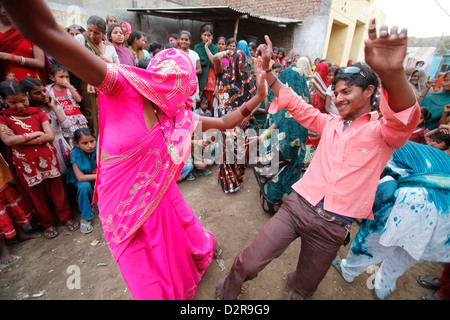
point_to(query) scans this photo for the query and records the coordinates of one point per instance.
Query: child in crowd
(137, 43)
(39, 97)
(419, 134)
(83, 174)
(439, 138)
(68, 97)
(126, 28)
(204, 107)
(14, 216)
(281, 56)
(173, 38)
(276, 68)
(34, 157)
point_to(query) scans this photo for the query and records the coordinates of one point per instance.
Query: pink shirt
(347, 165)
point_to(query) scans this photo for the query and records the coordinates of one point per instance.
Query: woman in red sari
(19, 57)
(158, 242)
(318, 89)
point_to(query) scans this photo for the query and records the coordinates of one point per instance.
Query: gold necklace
(171, 148)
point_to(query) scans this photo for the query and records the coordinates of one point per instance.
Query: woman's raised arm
(33, 19)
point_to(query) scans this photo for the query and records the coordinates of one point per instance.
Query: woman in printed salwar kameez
(410, 223)
(158, 242)
(235, 86)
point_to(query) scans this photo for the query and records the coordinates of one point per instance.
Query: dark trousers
(320, 242)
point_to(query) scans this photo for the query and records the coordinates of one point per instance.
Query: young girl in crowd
(68, 97)
(116, 37)
(126, 28)
(39, 97)
(419, 134)
(204, 107)
(281, 56)
(83, 174)
(439, 138)
(136, 43)
(34, 157)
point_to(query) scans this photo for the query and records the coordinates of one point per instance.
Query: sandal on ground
(50, 234)
(206, 172)
(88, 228)
(431, 296)
(429, 282)
(72, 226)
(190, 177)
(336, 263)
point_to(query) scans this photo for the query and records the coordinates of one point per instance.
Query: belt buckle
(323, 215)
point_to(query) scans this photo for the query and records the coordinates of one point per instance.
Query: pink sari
(159, 244)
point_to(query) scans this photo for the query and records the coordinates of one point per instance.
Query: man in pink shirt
(340, 183)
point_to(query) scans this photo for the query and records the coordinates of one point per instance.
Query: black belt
(324, 215)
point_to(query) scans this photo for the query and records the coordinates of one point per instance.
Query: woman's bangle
(244, 110)
(224, 53)
(26, 136)
(12, 58)
(22, 61)
(273, 82)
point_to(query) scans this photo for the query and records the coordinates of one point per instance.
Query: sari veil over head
(131, 184)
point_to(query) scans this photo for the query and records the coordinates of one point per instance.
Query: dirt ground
(46, 268)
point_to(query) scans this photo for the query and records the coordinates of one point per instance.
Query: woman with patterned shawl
(411, 218)
(289, 143)
(235, 86)
(156, 239)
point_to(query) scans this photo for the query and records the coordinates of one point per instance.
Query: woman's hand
(261, 83)
(6, 130)
(91, 89)
(265, 52)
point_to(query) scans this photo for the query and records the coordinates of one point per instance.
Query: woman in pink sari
(145, 125)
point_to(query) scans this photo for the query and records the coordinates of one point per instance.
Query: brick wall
(294, 9)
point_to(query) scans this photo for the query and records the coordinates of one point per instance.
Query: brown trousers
(320, 242)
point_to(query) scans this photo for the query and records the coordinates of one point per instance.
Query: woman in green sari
(289, 143)
(436, 101)
(206, 50)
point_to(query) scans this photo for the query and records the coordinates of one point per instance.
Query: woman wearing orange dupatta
(159, 244)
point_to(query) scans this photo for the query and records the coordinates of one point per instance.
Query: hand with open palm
(385, 53)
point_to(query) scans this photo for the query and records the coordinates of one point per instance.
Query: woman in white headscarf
(420, 83)
(304, 68)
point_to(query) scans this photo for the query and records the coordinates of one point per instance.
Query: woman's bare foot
(217, 249)
(27, 236)
(6, 258)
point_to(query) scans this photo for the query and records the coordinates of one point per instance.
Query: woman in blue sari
(411, 218)
(288, 141)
